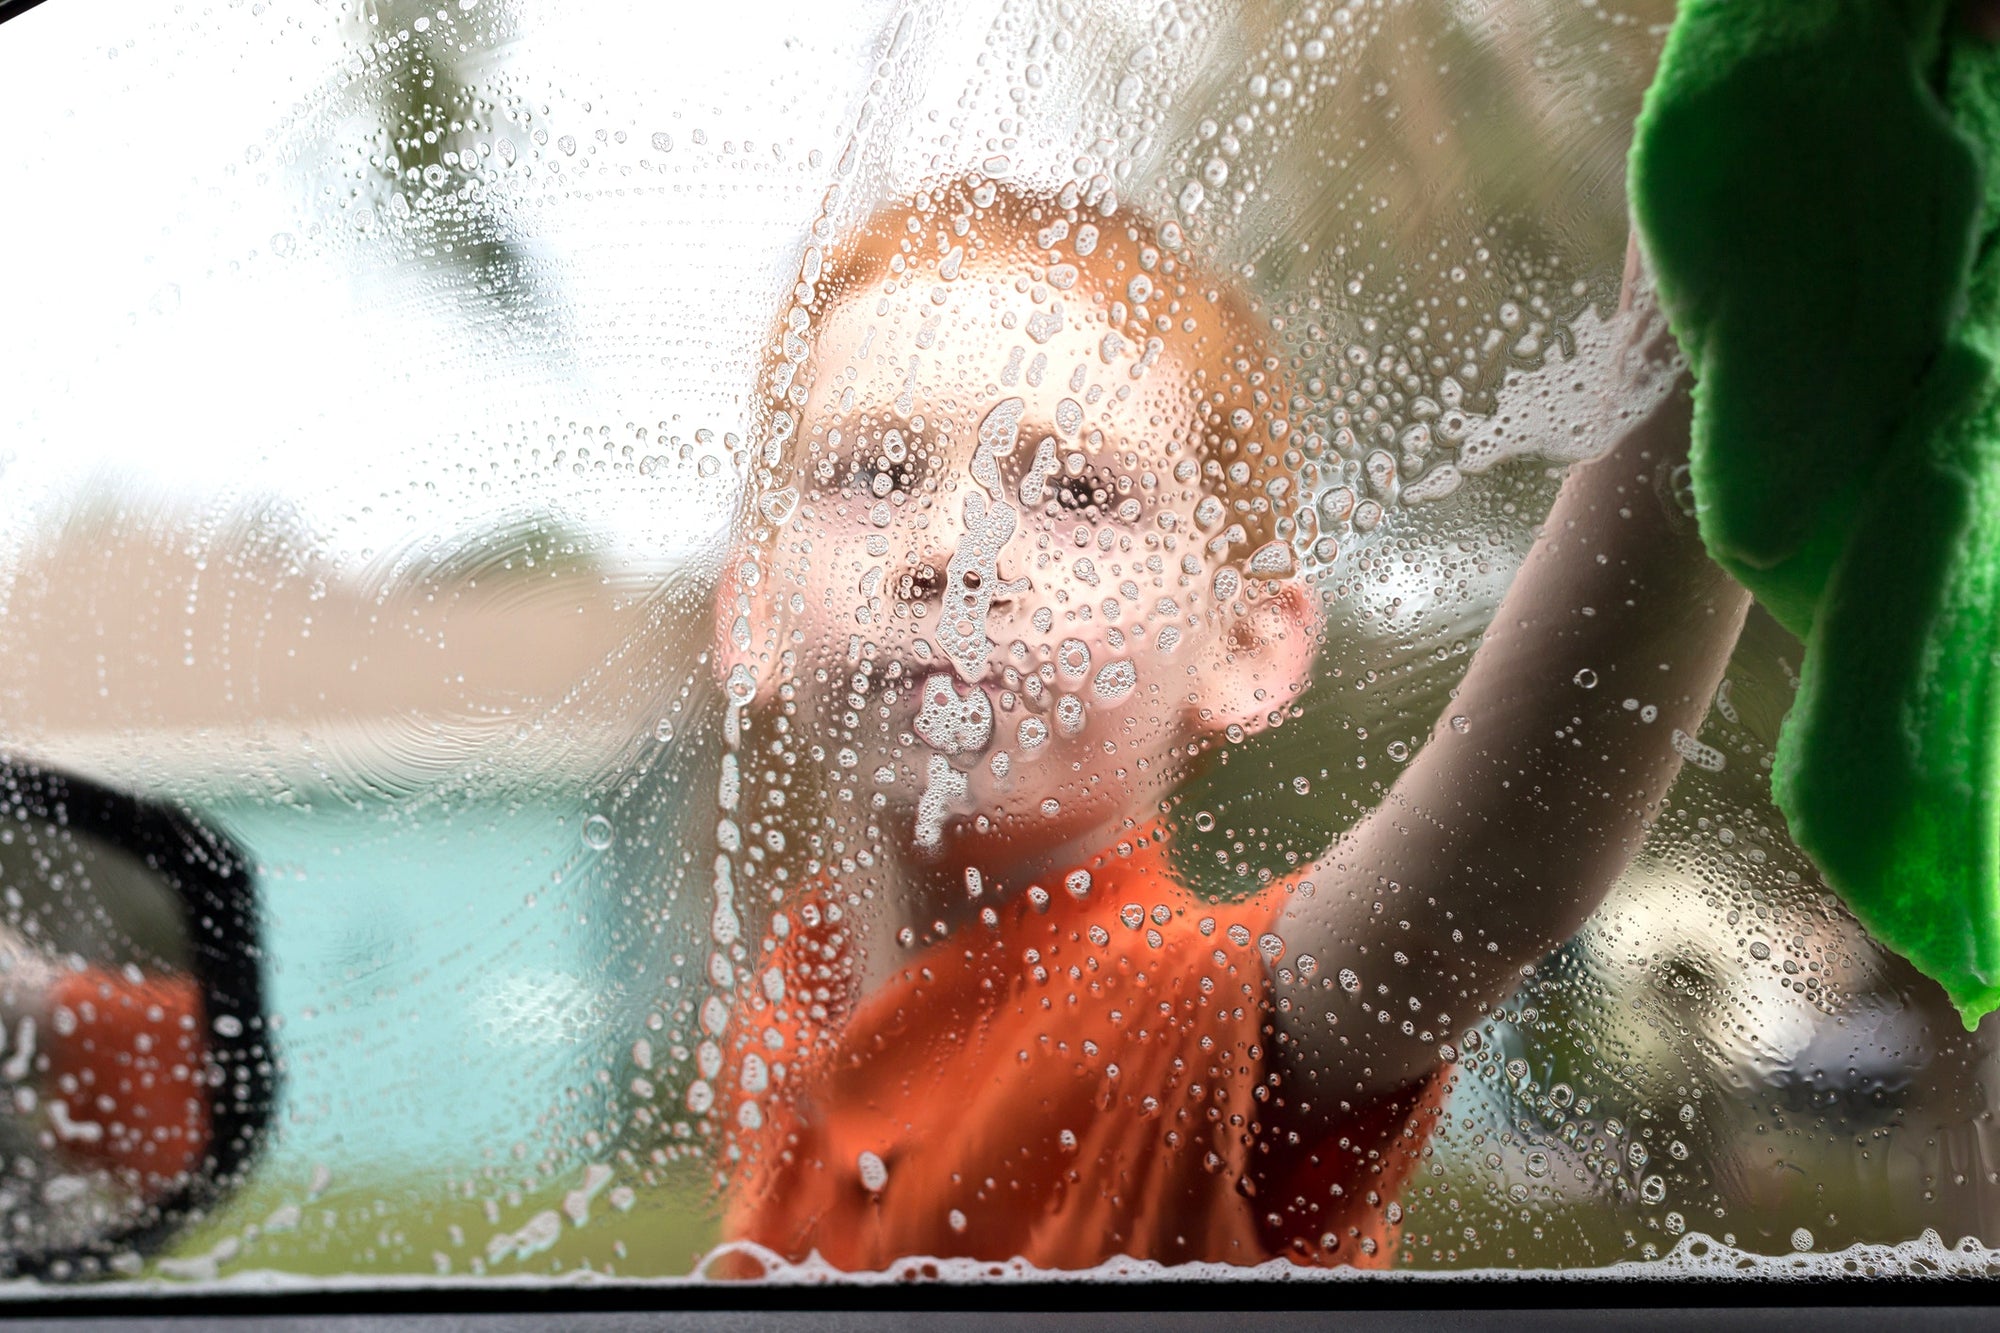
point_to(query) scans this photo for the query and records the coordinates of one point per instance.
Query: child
(1028, 549)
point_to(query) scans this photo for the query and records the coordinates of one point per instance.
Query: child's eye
(881, 477)
(1082, 492)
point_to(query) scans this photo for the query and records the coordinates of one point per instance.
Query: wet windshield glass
(843, 640)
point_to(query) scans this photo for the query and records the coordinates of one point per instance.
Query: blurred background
(379, 384)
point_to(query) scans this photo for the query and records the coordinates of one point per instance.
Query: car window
(805, 621)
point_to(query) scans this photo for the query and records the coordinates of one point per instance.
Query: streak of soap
(951, 724)
(944, 786)
(971, 582)
(1578, 414)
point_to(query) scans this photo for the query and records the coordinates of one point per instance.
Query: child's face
(1000, 605)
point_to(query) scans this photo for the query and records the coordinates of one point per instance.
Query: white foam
(1574, 409)
(1697, 1258)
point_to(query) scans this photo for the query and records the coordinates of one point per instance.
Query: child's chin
(1011, 835)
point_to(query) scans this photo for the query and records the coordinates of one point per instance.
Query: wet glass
(655, 532)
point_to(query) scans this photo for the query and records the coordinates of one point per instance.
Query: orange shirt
(1078, 1081)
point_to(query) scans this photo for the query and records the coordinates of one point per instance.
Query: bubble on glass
(1697, 753)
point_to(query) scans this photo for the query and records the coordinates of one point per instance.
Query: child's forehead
(1116, 351)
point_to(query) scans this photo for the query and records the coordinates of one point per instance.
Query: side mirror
(136, 1068)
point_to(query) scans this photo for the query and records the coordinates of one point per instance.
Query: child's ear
(1260, 661)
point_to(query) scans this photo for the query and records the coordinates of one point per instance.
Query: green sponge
(1810, 181)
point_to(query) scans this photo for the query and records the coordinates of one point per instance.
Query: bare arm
(1499, 840)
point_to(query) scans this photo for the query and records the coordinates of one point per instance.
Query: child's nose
(927, 577)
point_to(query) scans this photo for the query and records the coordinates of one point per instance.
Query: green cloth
(1811, 181)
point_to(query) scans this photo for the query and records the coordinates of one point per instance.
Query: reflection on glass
(651, 568)
(108, 1120)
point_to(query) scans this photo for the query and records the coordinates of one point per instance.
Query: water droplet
(1337, 504)
(1073, 658)
(1695, 752)
(597, 833)
(1460, 723)
(779, 504)
(1069, 714)
(1114, 681)
(1380, 468)
(1587, 678)
(1272, 560)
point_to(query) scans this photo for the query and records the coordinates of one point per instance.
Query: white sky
(174, 324)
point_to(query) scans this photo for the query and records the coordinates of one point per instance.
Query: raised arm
(1501, 838)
